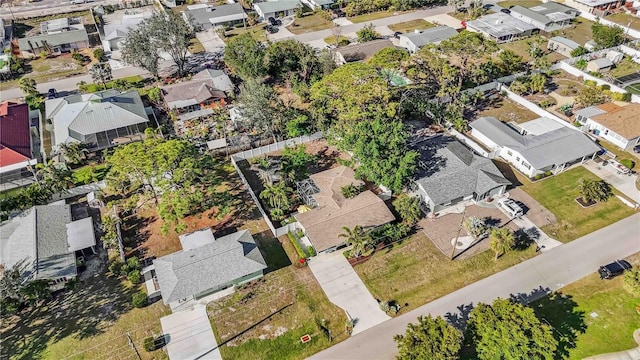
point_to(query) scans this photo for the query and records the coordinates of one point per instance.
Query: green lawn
(257, 32)
(625, 67)
(372, 16)
(331, 40)
(524, 3)
(90, 322)
(407, 26)
(136, 81)
(236, 318)
(309, 23)
(416, 272)
(579, 31)
(625, 20)
(572, 307)
(195, 46)
(88, 174)
(558, 193)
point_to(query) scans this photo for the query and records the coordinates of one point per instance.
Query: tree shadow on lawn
(560, 312)
(272, 251)
(81, 313)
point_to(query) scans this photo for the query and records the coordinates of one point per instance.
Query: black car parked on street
(614, 269)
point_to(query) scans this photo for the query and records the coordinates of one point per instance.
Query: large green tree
(408, 207)
(291, 58)
(607, 36)
(181, 180)
(351, 93)
(28, 86)
(430, 338)
(469, 50)
(139, 50)
(388, 58)
(245, 56)
(509, 330)
(170, 33)
(260, 107)
(381, 150)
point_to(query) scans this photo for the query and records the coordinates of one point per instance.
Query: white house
(562, 46)
(204, 17)
(115, 34)
(414, 41)
(318, 4)
(596, 7)
(539, 145)
(501, 27)
(276, 9)
(619, 125)
(549, 16)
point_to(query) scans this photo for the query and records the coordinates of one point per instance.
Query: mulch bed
(584, 204)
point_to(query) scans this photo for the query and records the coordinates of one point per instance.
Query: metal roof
(216, 14)
(540, 126)
(531, 14)
(551, 148)
(80, 234)
(448, 170)
(590, 111)
(564, 41)
(55, 39)
(500, 24)
(430, 36)
(225, 260)
(601, 63)
(275, 6)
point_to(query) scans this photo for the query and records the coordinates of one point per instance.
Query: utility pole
(133, 346)
(453, 250)
(118, 234)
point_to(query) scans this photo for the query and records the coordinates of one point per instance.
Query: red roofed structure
(15, 136)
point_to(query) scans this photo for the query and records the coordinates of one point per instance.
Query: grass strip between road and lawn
(411, 25)
(309, 23)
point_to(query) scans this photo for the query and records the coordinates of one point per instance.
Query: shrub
(296, 245)
(149, 344)
(616, 96)
(311, 251)
(139, 299)
(116, 267)
(628, 163)
(133, 263)
(631, 281)
(577, 124)
(582, 64)
(537, 177)
(350, 191)
(134, 276)
(605, 87)
(590, 83)
(99, 55)
(384, 306)
(77, 57)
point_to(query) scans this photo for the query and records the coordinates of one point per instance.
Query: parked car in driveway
(52, 94)
(397, 34)
(271, 29)
(510, 207)
(636, 149)
(614, 269)
(506, 11)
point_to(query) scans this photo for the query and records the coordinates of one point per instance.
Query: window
(509, 153)
(517, 158)
(526, 165)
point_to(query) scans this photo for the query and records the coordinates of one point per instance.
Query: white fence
(535, 108)
(577, 72)
(249, 154)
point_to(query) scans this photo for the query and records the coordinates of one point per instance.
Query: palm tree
(277, 195)
(356, 237)
(592, 190)
(73, 153)
(27, 85)
(502, 240)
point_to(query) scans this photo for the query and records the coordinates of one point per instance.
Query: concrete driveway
(210, 40)
(344, 288)
(343, 21)
(626, 184)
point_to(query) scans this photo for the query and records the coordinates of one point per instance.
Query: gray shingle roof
(39, 235)
(431, 36)
(56, 39)
(531, 14)
(448, 170)
(590, 111)
(206, 15)
(552, 148)
(228, 258)
(221, 80)
(601, 63)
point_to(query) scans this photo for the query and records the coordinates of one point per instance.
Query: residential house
(546, 147)
(44, 239)
(598, 65)
(207, 265)
(56, 36)
(318, 4)
(115, 34)
(99, 120)
(501, 27)
(198, 97)
(359, 52)
(562, 46)
(414, 41)
(599, 8)
(275, 9)
(619, 125)
(205, 17)
(450, 173)
(549, 16)
(331, 211)
(17, 150)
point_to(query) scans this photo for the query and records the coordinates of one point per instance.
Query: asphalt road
(528, 280)
(25, 9)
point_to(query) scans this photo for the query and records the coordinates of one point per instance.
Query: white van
(510, 208)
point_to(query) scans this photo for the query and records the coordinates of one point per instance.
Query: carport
(80, 235)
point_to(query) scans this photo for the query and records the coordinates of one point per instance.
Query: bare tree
(101, 72)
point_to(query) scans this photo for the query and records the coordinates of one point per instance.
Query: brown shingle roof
(323, 225)
(624, 121)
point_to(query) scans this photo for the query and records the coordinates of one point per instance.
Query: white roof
(189, 335)
(593, 3)
(196, 239)
(80, 234)
(216, 144)
(540, 126)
